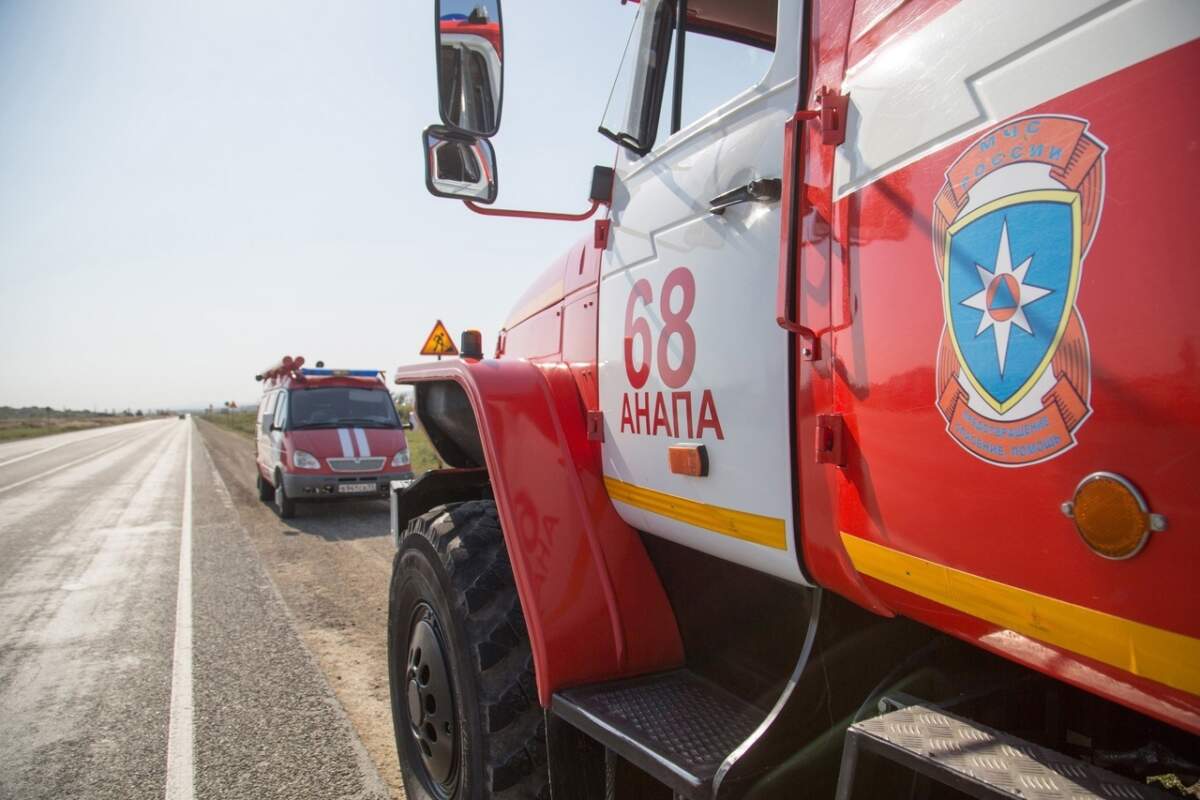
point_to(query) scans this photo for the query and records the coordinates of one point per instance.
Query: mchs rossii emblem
(1011, 229)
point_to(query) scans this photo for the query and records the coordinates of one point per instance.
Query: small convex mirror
(459, 166)
(470, 65)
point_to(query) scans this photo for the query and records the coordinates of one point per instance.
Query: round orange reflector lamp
(1111, 516)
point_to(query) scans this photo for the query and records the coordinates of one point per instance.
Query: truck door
(693, 368)
(270, 434)
(261, 445)
(1016, 321)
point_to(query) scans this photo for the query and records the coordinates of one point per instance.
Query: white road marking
(70, 464)
(181, 783)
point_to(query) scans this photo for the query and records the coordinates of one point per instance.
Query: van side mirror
(267, 421)
(408, 424)
(459, 166)
(470, 65)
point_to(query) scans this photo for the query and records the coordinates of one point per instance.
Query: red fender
(593, 602)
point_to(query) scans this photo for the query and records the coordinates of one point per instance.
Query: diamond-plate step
(675, 725)
(980, 761)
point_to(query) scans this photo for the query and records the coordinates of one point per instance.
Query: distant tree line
(46, 412)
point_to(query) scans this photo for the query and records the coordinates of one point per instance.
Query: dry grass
(237, 421)
(29, 427)
(423, 456)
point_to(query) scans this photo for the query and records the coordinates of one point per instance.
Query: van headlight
(305, 460)
(400, 459)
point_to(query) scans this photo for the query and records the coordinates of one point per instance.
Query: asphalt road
(146, 647)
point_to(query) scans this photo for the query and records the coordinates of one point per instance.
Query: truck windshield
(336, 406)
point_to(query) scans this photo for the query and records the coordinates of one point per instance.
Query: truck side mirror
(459, 166)
(470, 65)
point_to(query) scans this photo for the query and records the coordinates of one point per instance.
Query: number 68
(674, 324)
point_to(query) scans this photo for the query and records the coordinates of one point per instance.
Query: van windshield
(336, 406)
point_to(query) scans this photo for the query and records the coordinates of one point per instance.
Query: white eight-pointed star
(1003, 297)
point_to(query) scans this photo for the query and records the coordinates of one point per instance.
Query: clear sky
(188, 191)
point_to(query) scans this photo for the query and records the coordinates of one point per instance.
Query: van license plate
(356, 488)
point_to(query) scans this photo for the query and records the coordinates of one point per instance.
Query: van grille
(356, 464)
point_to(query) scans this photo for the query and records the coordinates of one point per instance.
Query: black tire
(452, 590)
(284, 505)
(266, 492)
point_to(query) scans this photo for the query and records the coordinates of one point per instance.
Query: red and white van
(326, 434)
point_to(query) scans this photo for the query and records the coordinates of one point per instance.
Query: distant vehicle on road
(326, 434)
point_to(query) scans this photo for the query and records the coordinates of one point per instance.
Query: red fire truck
(854, 451)
(326, 434)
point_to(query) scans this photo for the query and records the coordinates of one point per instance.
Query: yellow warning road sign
(439, 342)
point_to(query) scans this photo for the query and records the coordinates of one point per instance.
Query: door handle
(761, 190)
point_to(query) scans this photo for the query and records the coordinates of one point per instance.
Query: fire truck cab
(852, 452)
(326, 434)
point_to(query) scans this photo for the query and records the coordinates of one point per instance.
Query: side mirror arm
(512, 212)
(601, 195)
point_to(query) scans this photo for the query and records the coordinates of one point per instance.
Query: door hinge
(830, 115)
(595, 426)
(830, 440)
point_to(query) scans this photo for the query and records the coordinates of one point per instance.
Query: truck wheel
(285, 505)
(464, 701)
(266, 492)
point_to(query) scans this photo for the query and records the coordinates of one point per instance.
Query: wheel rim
(429, 699)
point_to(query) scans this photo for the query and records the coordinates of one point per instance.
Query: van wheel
(464, 701)
(266, 492)
(285, 505)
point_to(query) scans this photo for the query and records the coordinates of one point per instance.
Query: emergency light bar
(341, 373)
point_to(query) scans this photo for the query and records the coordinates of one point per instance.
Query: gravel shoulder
(331, 564)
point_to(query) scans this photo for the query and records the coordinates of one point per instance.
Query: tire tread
(470, 545)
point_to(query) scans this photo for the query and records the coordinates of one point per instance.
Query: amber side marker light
(688, 459)
(1111, 515)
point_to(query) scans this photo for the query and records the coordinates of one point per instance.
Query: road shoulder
(332, 566)
(267, 723)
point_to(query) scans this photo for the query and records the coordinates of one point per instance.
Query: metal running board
(676, 726)
(978, 760)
